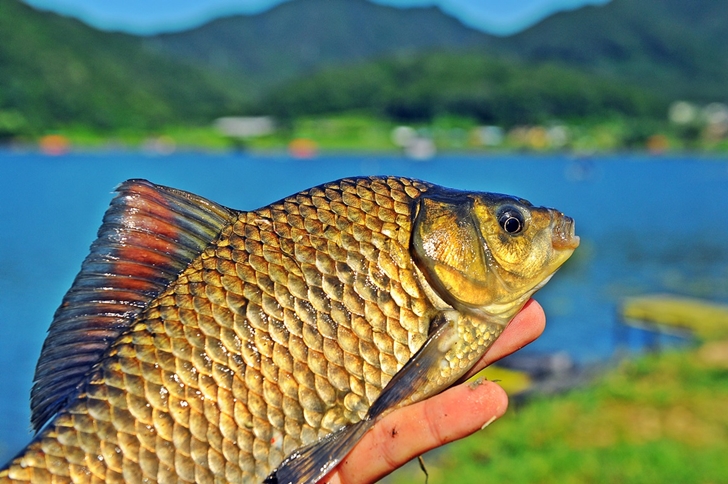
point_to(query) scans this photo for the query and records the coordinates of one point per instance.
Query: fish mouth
(563, 237)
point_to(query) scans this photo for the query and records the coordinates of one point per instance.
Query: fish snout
(564, 237)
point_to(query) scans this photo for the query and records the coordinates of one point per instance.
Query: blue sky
(151, 16)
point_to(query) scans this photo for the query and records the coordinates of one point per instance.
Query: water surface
(647, 225)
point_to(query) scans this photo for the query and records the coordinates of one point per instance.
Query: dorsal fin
(150, 234)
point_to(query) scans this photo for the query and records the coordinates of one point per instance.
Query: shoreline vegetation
(656, 417)
(307, 137)
(659, 417)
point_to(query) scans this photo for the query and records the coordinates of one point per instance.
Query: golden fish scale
(285, 328)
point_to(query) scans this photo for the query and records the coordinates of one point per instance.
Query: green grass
(359, 132)
(656, 419)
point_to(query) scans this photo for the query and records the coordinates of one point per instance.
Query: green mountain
(676, 47)
(627, 58)
(302, 36)
(673, 47)
(56, 72)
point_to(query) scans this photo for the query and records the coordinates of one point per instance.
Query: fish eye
(511, 220)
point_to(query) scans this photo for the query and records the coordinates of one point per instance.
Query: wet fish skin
(285, 328)
(480, 257)
(189, 391)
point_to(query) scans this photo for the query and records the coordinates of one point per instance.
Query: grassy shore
(658, 418)
(361, 133)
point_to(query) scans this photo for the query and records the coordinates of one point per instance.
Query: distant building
(245, 126)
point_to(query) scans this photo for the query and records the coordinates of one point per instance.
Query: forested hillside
(675, 47)
(422, 87)
(627, 59)
(56, 72)
(303, 36)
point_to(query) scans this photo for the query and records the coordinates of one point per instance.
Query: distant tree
(489, 90)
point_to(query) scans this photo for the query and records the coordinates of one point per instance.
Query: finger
(379, 452)
(413, 430)
(525, 327)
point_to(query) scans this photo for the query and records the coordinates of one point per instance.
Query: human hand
(454, 414)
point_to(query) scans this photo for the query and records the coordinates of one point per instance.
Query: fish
(204, 344)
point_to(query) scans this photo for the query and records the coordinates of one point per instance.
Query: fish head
(485, 253)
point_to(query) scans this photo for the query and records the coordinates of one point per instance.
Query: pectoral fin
(311, 463)
(414, 374)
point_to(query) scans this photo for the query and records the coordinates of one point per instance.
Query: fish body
(203, 344)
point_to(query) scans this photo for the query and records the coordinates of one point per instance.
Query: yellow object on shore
(512, 381)
(707, 320)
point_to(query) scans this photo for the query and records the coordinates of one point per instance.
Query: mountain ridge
(187, 17)
(317, 35)
(57, 71)
(659, 44)
(655, 44)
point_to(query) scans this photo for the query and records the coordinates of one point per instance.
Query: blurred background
(614, 112)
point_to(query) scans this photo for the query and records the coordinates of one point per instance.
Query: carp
(204, 344)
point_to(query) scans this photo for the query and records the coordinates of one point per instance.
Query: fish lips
(563, 237)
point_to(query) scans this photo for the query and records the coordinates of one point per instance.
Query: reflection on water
(647, 225)
(582, 169)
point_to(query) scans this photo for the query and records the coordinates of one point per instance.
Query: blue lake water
(647, 225)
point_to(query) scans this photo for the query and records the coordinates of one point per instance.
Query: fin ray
(149, 235)
(310, 463)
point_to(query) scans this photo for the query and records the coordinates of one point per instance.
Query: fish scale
(285, 328)
(203, 344)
